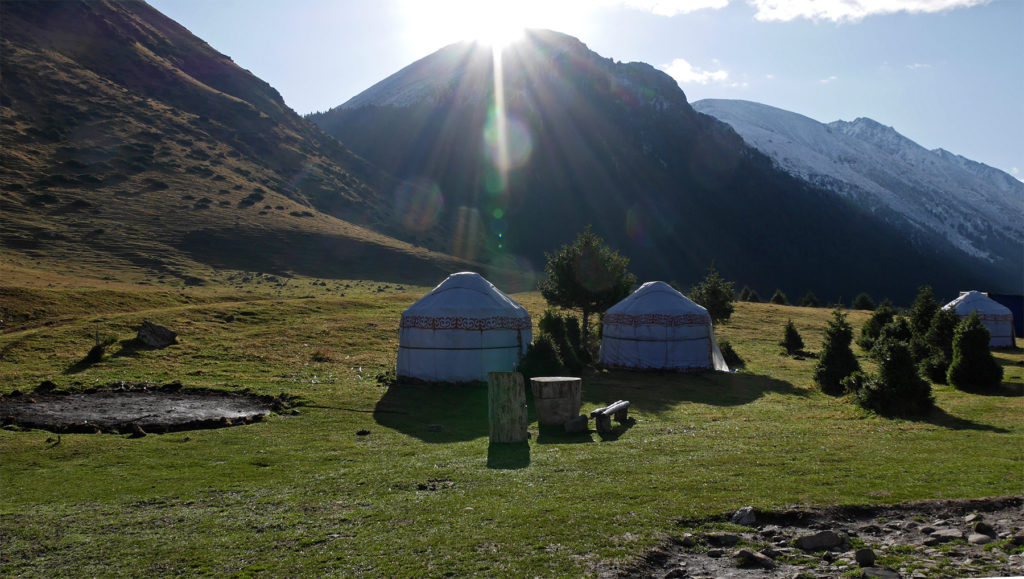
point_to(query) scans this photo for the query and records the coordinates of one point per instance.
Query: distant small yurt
(460, 331)
(994, 316)
(657, 327)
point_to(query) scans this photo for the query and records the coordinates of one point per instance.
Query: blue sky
(945, 73)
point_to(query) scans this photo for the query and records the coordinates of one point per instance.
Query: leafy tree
(973, 368)
(898, 389)
(715, 294)
(779, 297)
(810, 300)
(863, 302)
(587, 276)
(922, 311)
(837, 360)
(872, 327)
(791, 339)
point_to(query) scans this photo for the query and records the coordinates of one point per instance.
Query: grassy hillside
(423, 493)
(128, 146)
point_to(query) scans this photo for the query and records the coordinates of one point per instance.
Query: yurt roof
(975, 300)
(468, 295)
(656, 297)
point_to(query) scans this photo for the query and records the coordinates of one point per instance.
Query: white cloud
(829, 79)
(674, 7)
(685, 73)
(918, 65)
(850, 10)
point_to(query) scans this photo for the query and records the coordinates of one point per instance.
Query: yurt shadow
(658, 391)
(438, 413)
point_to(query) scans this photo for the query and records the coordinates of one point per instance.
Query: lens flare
(417, 204)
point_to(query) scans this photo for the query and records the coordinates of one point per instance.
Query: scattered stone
(819, 541)
(687, 540)
(978, 539)
(155, 336)
(985, 529)
(1018, 539)
(879, 573)
(722, 539)
(746, 517)
(864, 557)
(943, 536)
(770, 531)
(750, 558)
(716, 553)
(675, 574)
(972, 517)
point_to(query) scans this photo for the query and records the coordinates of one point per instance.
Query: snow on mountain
(976, 207)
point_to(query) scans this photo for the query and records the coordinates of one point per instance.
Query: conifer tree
(715, 295)
(863, 302)
(898, 389)
(922, 310)
(872, 327)
(837, 360)
(779, 297)
(791, 339)
(810, 300)
(973, 368)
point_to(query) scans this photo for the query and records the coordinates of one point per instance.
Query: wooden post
(557, 398)
(506, 397)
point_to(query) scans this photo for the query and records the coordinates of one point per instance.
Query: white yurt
(994, 316)
(460, 331)
(657, 327)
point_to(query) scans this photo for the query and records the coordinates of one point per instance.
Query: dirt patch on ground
(939, 538)
(133, 408)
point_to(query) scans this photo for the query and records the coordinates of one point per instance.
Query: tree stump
(506, 398)
(558, 399)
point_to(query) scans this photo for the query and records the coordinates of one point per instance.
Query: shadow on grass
(658, 391)
(558, 435)
(940, 417)
(508, 455)
(437, 413)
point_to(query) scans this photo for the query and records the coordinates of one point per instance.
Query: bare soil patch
(134, 408)
(936, 538)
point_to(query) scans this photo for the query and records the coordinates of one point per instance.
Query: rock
(579, 424)
(746, 517)
(687, 540)
(716, 553)
(819, 541)
(749, 558)
(155, 336)
(1018, 539)
(770, 531)
(864, 557)
(985, 529)
(943, 536)
(978, 539)
(45, 386)
(674, 574)
(723, 539)
(136, 431)
(879, 573)
(972, 517)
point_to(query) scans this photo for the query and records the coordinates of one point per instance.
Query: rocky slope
(130, 143)
(978, 209)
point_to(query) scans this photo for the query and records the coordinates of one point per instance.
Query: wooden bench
(603, 416)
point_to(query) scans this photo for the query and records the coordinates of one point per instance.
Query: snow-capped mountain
(976, 207)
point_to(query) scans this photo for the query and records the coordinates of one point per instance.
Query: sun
(496, 23)
(498, 33)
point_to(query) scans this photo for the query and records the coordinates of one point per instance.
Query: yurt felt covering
(657, 327)
(460, 331)
(997, 318)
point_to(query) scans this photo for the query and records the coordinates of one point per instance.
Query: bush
(973, 368)
(872, 327)
(715, 295)
(541, 359)
(939, 341)
(898, 389)
(898, 330)
(732, 359)
(863, 302)
(791, 339)
(837, 360)
(779, 297)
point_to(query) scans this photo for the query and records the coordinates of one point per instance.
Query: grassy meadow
(424, 494)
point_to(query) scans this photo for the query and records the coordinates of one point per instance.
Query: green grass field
(303, 494)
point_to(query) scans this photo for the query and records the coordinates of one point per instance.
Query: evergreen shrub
(973, 368)
(837, 360)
